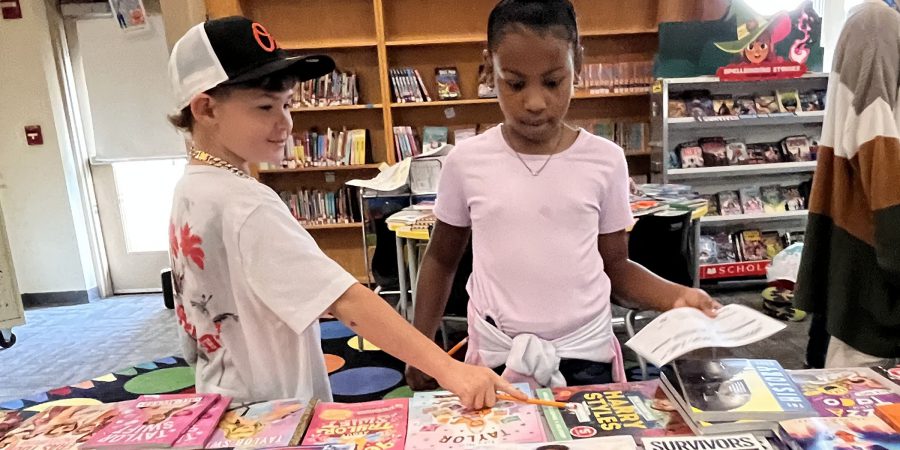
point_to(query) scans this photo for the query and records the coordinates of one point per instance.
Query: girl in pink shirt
(546, 206)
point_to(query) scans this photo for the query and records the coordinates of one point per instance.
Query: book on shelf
(313, 207)
(698, 104)
(752, 246)
(837, 433)
(789, 101)
(408, 86)
(766, 104)
(638, 409)
(774, 243)
(794, 200)
(812, 100)
(447, 81)
(405, 144)
(331, 147)
(438, 420)
(730, 203)
(739, 389)
(630, 136)
(725, 251)
(845, 392)
(773, 199)
(707, 251)
(435, 137)
(690, 155)
(723, 105)
(745, 105)
(736, 152)
(277, 423)
(334, 89)
(621, 77)
(60, 427)
(152, 421)
(751, 201)
(796, 149)
(372, 425)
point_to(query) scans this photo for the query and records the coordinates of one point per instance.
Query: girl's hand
(697, 298)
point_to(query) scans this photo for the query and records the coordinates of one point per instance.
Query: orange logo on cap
(263, 38)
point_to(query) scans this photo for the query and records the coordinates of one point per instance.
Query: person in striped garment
(850, 270)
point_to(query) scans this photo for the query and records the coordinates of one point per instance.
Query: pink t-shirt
(536, 265)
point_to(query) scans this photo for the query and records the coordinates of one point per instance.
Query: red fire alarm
(11, 9)
(33, 135)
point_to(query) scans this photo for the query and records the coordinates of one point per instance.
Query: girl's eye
(552, 84)
(287, 106)
(266, 108)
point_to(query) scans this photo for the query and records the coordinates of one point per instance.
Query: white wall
(38, 186)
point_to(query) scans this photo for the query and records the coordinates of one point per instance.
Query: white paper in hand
(683, 330)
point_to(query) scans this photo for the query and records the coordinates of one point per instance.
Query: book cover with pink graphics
(368, 426)
(260, 425)
(438, 420)
(152, 421)
(202, 430)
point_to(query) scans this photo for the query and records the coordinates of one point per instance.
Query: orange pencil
(458, 346)
(533, 401)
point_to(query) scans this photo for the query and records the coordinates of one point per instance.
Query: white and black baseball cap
(233, 50)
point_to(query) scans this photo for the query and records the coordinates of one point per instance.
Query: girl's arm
(445, 249)
(634, 283)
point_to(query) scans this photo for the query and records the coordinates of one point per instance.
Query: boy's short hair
(221, 55)
(276, 82)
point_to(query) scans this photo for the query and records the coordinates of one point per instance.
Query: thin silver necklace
(537, 172)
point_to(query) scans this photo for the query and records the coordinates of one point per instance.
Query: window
(145, 191)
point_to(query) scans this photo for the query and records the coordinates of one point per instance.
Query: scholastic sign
(733, 270)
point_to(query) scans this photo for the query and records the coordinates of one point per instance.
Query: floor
(66, 345)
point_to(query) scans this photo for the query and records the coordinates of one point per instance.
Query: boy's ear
(203, 108)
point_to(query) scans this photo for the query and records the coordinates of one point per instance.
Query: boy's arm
(371, 317)
(445, 249)
(633, 282)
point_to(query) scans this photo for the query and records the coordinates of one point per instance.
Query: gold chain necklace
(215, 161)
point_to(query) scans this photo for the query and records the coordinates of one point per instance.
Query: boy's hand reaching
(697, 298)
(476, 386)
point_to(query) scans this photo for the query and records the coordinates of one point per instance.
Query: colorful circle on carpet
(335, 330)
(333, 362)
(161, 381)
(364, 380)
(64, 402)
(367, 346)
(400, 392)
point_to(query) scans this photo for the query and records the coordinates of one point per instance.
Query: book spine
(558, 429)
(422, 85)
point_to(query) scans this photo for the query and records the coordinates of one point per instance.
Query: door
(121, 79)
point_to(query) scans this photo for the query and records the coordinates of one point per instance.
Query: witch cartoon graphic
(757, 39)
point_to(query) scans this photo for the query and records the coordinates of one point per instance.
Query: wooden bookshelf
(369, 37)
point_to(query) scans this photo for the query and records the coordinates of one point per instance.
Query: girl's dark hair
(544, 16)
(276, 82)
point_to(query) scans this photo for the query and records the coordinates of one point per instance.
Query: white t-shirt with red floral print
(250, 286)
